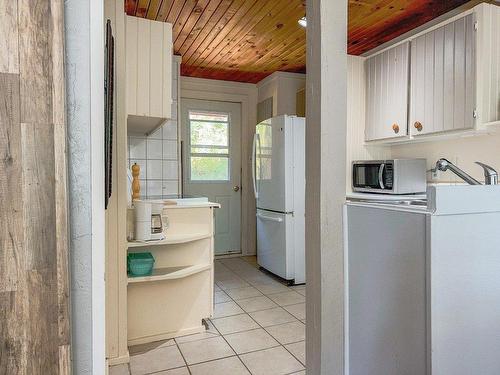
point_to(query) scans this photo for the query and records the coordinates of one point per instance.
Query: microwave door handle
(381, 176)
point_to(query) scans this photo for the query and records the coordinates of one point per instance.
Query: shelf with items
(171, 240)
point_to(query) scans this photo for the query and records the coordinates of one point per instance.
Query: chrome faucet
(490, 175)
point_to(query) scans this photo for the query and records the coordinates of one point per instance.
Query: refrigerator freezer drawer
(275, 251)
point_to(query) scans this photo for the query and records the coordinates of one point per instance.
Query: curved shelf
(171, 240)
(170, 273)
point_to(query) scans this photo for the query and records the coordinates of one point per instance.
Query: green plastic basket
(140, 264)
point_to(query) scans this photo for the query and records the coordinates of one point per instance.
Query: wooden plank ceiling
(374, 22)
(236, 40)
(246, 40)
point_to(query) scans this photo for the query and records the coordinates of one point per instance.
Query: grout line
(259, 326)
(264, 328)
(221, 335)
(182, 355)
(157, 372)
(212, 360)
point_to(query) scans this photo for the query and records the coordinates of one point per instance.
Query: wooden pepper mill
(136, 185)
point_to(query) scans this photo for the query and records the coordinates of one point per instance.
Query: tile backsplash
(157, 154)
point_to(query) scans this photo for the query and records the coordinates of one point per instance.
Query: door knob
(236, 188)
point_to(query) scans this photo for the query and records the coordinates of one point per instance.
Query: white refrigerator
(278, 165)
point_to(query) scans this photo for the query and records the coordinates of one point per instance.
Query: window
(209, 146)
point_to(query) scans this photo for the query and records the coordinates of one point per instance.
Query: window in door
(209, 146)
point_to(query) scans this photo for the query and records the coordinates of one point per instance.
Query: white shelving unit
(178, 295)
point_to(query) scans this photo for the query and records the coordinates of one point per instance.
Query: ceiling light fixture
(303, 21)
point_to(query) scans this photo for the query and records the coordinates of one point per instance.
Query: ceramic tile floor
(258, 329)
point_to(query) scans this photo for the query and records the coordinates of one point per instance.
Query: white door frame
(233, 109)
(246, 95)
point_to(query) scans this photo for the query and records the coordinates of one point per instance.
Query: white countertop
(385, 197)
(390, 206)
(191, 202)
(192, 205)
(442, 199)
(387, 201)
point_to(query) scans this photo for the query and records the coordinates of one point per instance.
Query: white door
(211, 139)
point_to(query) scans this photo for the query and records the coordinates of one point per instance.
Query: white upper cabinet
(387, 78)
(488, 64)
(448, 77)
(149, 68)
(443, 76)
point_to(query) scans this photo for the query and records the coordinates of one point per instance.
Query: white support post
(326, 184)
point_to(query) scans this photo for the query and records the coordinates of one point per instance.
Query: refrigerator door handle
(275, 219)
(254, 156)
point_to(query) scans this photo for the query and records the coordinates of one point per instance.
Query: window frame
(190, 154)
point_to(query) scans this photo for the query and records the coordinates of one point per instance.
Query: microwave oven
(395, 176)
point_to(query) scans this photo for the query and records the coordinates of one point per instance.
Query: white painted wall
(158, 154)
(326, 134)
(356, 98)
(246, 94)
(282, 87)
(463, 152)
(84, 49)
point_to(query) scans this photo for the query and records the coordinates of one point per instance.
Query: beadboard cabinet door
(387, 77)
(149, 67)
(443, 79)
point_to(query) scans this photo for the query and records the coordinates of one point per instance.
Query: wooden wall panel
(34, 303)
(34, 53)
(9, 58)
(10, 181)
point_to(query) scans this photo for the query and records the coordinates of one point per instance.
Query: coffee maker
(148, 221)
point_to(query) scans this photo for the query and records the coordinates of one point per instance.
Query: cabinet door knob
(418, 125)
(395, 128)
(236, 188)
